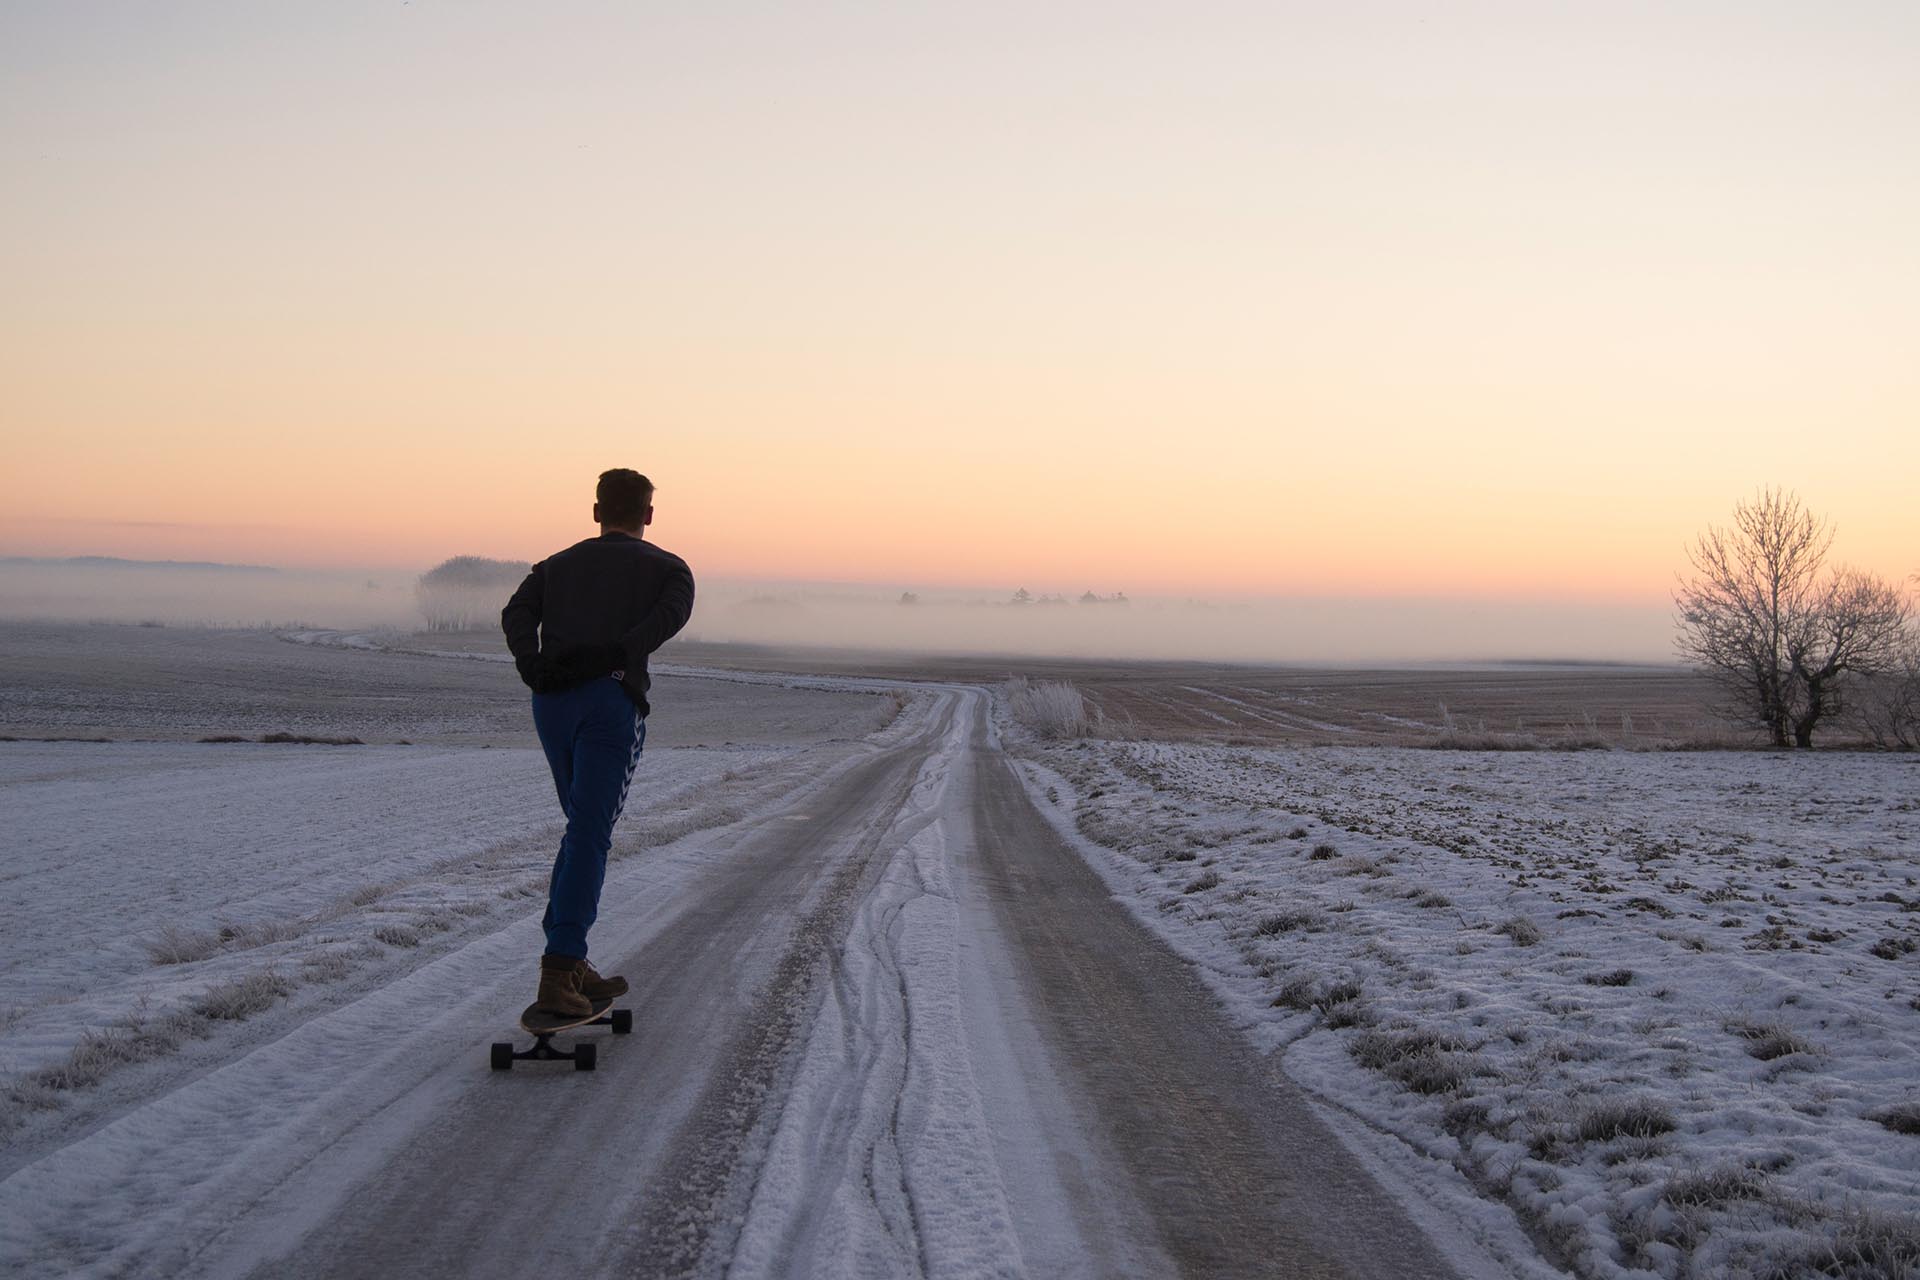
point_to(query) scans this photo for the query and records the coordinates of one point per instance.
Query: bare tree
(1780, 635)
(1753, 585)
(1859, 625)
(1891, 715)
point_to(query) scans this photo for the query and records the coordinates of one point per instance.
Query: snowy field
(1660, 1010)
(163, 889)
(1664, 1007)
(171, 901)
(182, 684)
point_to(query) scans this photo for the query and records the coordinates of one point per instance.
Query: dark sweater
(611, 590)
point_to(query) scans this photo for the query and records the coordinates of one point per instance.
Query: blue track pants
(592, 735)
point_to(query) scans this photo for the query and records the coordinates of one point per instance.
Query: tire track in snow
(885, 1094)
(1237, 1174)
(344, 1140)
(690, 1233)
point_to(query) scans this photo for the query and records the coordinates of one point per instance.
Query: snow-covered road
(887, 1024)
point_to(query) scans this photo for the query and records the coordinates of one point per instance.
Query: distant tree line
(467, 592)
(1023, 596)
(1791, 642)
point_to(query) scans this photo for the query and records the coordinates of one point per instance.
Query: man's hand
(603, 659)
(551, 673)
(536, 672)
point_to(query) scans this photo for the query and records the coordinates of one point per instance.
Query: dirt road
(894, 1028)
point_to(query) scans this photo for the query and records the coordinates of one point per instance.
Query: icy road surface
(887, 1024)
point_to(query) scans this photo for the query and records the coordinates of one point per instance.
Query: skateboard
(543, 1027)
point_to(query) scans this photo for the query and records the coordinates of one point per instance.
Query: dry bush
(1455, 735)
(1483, 740)
(1714, 1188)
(896, 702)
(329, 966)
(367, 894)
(397, 935)
(1894, 947)
(1624, 1118)
(1340, 1005)
(1348, 1013)
(1769, 1040)
(1300, 993)
(174, 945)
(1861, 1246)
(137, 1039)
(240, 999)
(1337, 999)
(436, 920)
(1684, 1216)
(1423, 1060)
(1903, 1117)
(1813, 1238)
(1051, 708)
(1270, 926)
(245, 937)
(1524, 932)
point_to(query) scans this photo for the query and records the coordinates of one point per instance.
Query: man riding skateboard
(581, 627)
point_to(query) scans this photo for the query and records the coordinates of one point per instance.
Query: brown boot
(560, 988)
(596, 988)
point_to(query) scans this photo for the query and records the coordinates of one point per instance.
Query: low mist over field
(1278, 630)
(1106, 625)
(104, 589)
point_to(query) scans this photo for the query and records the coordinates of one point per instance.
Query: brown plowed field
(1494, 704)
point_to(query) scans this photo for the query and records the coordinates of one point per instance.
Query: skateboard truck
(582, 1055)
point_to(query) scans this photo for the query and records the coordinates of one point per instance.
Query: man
(581, 627)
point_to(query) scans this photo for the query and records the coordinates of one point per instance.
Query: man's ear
(647, 519)
(596, 514)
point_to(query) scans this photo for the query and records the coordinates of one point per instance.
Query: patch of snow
(882, 1157)
(163, 874)
(1489, 961)
(316, 853)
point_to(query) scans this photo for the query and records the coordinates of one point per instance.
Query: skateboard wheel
(622, 1021)
(503, 1057)
(583, 1058)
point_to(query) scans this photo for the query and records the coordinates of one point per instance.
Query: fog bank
(1308, 630)
(204, 595)
(1315, 630)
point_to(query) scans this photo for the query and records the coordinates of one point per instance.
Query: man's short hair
(624, 496)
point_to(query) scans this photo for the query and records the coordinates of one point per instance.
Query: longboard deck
(584, 1055)
(535, 1021)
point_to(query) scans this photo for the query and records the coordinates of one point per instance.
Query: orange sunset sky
(1264, 298)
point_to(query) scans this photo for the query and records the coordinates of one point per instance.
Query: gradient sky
(1364, 298)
